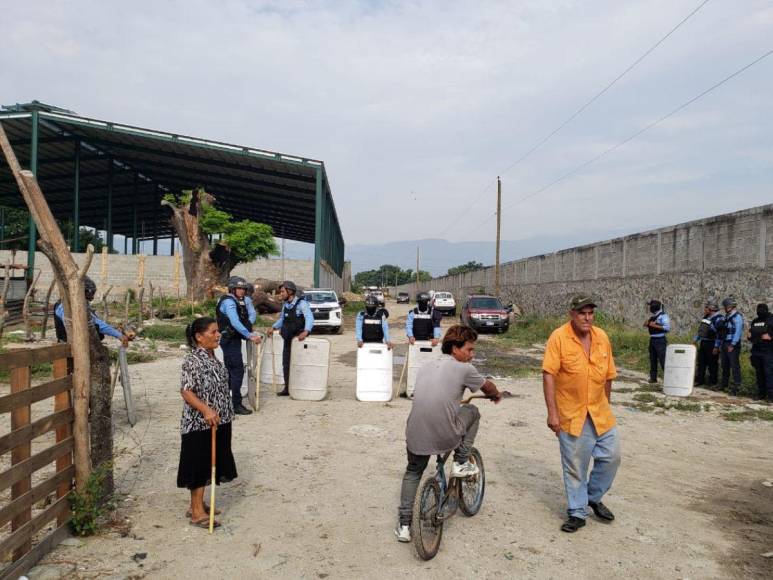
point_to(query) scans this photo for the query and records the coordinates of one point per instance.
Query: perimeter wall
(683, 265)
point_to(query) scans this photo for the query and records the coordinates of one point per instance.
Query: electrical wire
(573, 116)
(634, 135)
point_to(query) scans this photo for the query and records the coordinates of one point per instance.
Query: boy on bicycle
(438, 422)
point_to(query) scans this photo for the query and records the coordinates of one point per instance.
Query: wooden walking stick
(212, 487)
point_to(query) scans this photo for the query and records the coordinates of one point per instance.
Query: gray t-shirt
(433, 426)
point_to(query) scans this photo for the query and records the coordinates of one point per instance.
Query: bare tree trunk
(205, 267)
(140, 296)
(4, 297)
(127, 301)
(71, 289)
(29, 336)
(46, 309)
(152, 312)
(105, 307)
(100, 403)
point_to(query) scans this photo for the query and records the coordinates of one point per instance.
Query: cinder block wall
(122, 271)
(683, 265)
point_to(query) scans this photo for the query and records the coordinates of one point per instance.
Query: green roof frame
(111, 176)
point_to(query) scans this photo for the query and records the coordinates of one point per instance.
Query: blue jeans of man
(232, 357)
(576, 454)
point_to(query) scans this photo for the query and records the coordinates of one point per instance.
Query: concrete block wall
(122, 271)
(683, 265)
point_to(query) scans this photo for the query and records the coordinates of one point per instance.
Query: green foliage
(468, 267)
(250, 240)
(388, 275)
(168, 332)
(17, 226)
(90, 505)
(353, 308)
(749, 415)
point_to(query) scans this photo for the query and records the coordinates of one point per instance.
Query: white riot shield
(374, 373)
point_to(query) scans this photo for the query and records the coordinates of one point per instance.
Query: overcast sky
(416, 106)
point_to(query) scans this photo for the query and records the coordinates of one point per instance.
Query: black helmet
(729, 302)
(422, 297)
(89, 287)
(235, 282)
(371, 300)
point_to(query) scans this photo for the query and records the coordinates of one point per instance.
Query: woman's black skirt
(195, 468)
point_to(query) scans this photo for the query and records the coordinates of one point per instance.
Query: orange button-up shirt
(580, 379)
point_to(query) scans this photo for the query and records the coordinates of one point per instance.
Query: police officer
(103, 328)
(761, 337)
(235, 316)
(423, 322)
(729, 334)
(708, 356)
(295, 320)
(371, 324)
(658, 325)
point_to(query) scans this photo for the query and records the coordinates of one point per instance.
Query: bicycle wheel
(427, 529)
(472, 488)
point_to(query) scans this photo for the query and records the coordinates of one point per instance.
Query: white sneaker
(464, 469)
(403, 533)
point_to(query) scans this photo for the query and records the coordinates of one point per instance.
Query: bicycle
(437, 501)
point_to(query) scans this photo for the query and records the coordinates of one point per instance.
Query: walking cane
(212, 489)
(273, 366)
(402, 373)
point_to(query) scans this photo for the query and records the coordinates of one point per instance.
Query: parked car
(483, 312)
(444, 302)
(403, 298)
(326, 309)
(379, 296)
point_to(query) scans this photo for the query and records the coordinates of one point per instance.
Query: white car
(325, 308)
(444, 302)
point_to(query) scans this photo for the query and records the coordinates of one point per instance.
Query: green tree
(468, 267)
(195, 218)
(388, 275)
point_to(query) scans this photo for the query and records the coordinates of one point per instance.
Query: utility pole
(417, 270)
(499, 225)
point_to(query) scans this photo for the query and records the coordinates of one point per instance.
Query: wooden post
(20, 417)
(126, 309)
(105, 307)
(152, 312)
(62, 402)
(103, 268)
(52, 243)
(47, 308)
(4, 296)
(140, 301)
(177, 280)
(29, 336)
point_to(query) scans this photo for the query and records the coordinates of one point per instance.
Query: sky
(416, 107)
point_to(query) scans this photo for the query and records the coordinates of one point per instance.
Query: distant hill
(437, 256)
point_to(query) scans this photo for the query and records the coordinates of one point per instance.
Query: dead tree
(105, 307)
(152, 312)
(29, 336)
(46, 309)
(140, 296)
(71, 289)
(4, 297)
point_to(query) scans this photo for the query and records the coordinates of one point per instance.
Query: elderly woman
(207, 396)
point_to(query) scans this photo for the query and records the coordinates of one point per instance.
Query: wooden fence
(16, 547)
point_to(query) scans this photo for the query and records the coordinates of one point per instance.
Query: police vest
(293, 322)
(725, 326)
(372, 328)
(758, 327)
(423, 328)
(655, 320)
(706, 329)
(224, 324)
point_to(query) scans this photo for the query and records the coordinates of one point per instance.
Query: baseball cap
(582, 300)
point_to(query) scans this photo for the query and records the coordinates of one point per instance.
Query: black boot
(240, 409)
(283, 393)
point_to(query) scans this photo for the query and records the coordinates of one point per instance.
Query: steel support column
(318, 234)
(171, 245)
(134, 211)
(155, 223)
(76, 201)
(109, 233)
(33, 230)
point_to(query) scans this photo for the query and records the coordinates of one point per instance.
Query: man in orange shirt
(577, 374)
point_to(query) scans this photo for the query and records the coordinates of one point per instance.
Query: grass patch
(629, 345)
(649, 388)
(640, 407)
(646, 398)
(749, 415)
(354, 308)
(624, 390)
(167, 332)
(687, 407)
(37, 371)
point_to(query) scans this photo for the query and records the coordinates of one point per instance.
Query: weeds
(90, 505)
(749, 415)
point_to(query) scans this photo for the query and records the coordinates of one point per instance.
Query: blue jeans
(576, 453)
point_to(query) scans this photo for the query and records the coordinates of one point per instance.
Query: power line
(575, 114)
(637, 133)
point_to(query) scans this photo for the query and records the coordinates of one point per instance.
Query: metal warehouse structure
(112, 177)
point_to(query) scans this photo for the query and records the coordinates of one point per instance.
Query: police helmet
(729, 302)
(290, 286)
(371, 300)
(422, 297)
(711, 305)
(235, 282)
(89, 287)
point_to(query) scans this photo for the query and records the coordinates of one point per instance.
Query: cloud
(432, 98)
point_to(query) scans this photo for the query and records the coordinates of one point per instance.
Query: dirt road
(319, 482)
